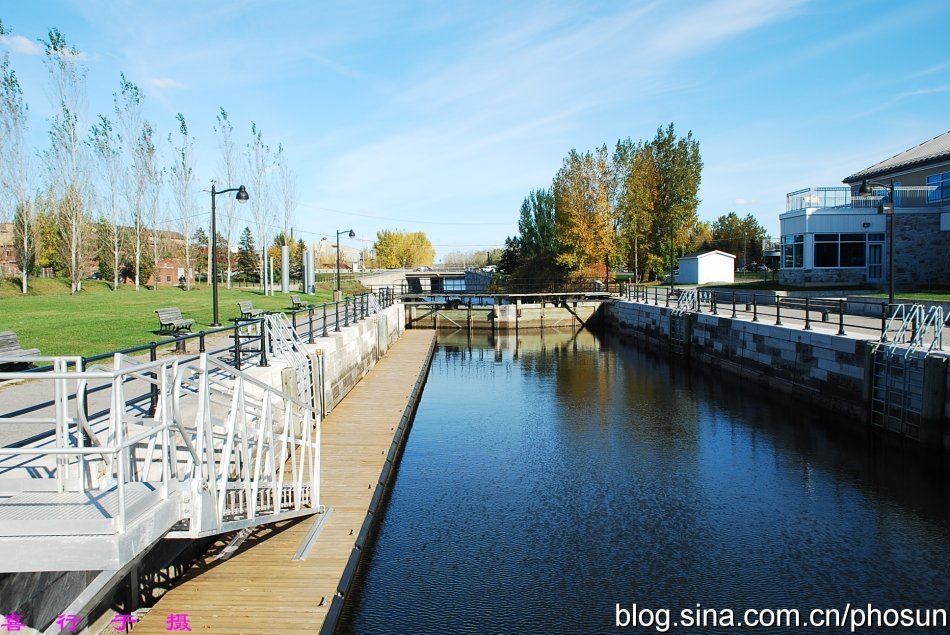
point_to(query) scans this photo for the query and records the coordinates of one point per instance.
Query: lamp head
(352, 234)
(865, 189)
(242, 195)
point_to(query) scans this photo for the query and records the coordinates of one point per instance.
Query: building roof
(707, 253)
(928, 151)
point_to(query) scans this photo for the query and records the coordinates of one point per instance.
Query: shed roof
(928, 151)
(707, 253)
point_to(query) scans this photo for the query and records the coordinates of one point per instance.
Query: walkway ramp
(217, 450)
(262, 588)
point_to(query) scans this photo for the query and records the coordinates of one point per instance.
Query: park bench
(171, 320)
(298, 303)
(824, 306)
(248, 311)
(10, 347)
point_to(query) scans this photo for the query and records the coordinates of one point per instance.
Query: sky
(441, 116)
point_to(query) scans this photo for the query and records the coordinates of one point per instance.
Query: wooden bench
(248, 311)
(10, 347)
(171, 320)
(298, 303)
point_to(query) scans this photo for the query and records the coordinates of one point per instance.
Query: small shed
(711, 266)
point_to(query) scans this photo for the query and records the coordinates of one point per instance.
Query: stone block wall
(921, 251)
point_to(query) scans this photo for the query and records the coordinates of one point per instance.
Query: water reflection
(551, 475)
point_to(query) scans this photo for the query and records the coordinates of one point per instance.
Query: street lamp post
(351, 234)
(888, 209)
(242, 198)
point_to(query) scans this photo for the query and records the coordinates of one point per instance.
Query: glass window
(941, 185)
(793, 251)
(851, 238)
(824, 238)
(852, 254)
(826, 254)
(875, 238)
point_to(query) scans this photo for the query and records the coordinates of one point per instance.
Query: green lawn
(99, 320)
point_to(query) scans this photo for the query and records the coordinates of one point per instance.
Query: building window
(941, 185)
(793, 251)
(840, 250)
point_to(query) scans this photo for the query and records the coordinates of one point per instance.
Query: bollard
(841, 317)
(778, 311)
(807, 320)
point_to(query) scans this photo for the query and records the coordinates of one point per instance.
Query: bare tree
(182, 183)
(65, 158)
(288, 191)
(15, 167)
(153, 175)
(107, 148)
(127, 104)
(228, 171)
(258, 168)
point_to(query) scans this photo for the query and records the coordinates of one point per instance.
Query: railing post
(237, 345)
(310, 322)
(755, 308)
(201, 342)
(733, 305)
(153, 391)
(807, 321)
(325, 319)
(778, 311)
(293, 320)
(346, 311)
(841, 317)
(265, 341)
(712, 303)
(884, 322)
(336, 319)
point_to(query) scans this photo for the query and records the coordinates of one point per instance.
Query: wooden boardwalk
(262, 589)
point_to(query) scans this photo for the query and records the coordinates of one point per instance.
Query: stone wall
(921, 251)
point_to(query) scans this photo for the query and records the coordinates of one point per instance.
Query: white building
(712, 266)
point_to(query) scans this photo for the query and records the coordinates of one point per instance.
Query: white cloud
(20, 44)
(163, 83)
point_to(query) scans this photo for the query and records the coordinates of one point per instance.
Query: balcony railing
(842, 197)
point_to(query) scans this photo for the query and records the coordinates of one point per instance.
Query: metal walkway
(218, 450)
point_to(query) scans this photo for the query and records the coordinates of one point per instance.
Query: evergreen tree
(247, 261)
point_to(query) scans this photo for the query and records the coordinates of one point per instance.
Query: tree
(15, 167)
(584, 212)
(536, 224)
(65, 158)
(701, 237)
(258, 165)
(200, 240)
(127, 105)
(739, 236)
(228, 171)
(679, 171)
(637, 189)
(511, 258)
(152, 175)
(182, 179)
(403, 249)
(288, 191)
(107, 148)
(247, 260)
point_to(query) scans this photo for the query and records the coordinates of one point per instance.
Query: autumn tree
(584, 211)
(107, 148)
(637, 190)
(259, 162)
(132, 131)
(739, 236)
(678, 170)
(403, 249)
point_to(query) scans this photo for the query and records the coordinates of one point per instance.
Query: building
(711, 266)
(8, 261)
(839, 235)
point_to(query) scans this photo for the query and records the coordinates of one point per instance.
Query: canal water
(549, 478)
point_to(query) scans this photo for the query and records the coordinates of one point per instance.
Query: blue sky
(441, 115)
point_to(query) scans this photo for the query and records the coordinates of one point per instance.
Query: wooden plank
(261, 589)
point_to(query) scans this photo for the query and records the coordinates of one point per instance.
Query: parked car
(95, 276)
(423, 268)
(490, 269)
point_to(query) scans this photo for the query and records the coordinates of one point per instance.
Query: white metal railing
(686, 301)
(236, 450)
(841, 196)
(910, 327)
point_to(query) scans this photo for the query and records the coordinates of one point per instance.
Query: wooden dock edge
(332, 618)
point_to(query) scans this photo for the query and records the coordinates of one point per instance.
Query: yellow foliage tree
(403, 249)
(583, 208)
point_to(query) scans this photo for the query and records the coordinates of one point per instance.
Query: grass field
(98, 319)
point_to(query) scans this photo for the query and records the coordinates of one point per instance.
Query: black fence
(501, 286)
(867, 316)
